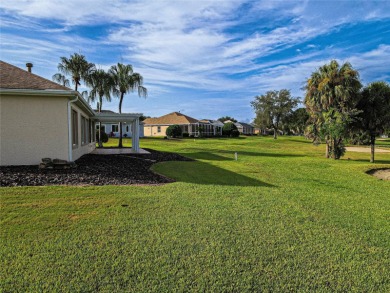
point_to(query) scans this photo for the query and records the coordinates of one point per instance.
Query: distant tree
(142, 117)
(173, 131)
(272, 107)
(229, 129)
(332, 93)
(226, 118)
(77, 67)
(295, 122)
(101, 86)
(374, 116)
(61, 79)
(126, 81)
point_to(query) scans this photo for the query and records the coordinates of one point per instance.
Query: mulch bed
(94, 170)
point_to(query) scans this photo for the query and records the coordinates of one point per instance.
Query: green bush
(235, 133)
(186, 134)
(228, 128)
(173, 131)
(103, 136)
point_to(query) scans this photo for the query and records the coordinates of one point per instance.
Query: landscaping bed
(383, 174)
(93, 170)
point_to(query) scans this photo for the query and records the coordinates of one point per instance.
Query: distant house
(112, 129)
(246, 128)
(158, 126)
(211, 127)
(205, 127)
(42, 119)
(243, 128)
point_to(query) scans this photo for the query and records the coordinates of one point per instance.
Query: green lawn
(280, 218)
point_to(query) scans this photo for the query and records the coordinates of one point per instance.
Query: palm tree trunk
(120, 145)
(372, 148)
(327, 147)
(275, 135)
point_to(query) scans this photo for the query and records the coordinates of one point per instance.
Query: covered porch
(131, 119)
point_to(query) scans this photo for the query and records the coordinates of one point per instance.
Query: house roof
(104, 111)
(213, 122)
(171, 118)
(246, 125)
(12, 77)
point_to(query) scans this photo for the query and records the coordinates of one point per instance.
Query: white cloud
(197, 45)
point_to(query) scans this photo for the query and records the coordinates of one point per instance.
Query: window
(127, 128)
(90, 131)
(75, 125)
(85, 132)
(114, 128)
(158, 128)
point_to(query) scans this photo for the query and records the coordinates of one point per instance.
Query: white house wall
(32, 128)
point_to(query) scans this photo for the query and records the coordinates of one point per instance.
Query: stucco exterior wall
(151, 130)
(32, 128)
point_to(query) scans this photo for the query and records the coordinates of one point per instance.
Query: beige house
(42, 119)
(158, 126)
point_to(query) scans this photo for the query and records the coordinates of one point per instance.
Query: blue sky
(206, 59)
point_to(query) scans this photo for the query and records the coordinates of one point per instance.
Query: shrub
(228, 128)
(173, 131)
(235, 133)
(186, 134)
(103, 136)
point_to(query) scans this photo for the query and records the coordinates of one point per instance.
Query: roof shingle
(12, 77)
(171, 118)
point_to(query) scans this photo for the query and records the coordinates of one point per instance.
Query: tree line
(118, 81)
(337, 108)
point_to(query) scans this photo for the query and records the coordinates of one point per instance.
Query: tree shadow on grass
(300, 140)
(202, 173)
(380, 162)
(230, 155)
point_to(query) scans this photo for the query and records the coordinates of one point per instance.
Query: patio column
(135, 135)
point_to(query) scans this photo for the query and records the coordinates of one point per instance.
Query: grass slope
(280, 218)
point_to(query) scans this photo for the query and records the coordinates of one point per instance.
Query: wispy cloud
(226, 49)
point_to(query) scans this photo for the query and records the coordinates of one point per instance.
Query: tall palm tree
(77, 67)
(126, 81)
(331, 96)
(61, 79)
(101, 86)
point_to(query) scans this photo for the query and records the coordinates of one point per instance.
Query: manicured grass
(280, 218)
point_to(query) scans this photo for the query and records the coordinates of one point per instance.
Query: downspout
(70, 146)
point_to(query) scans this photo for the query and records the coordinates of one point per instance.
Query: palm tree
(61, 79)
(331, 96)
(101, 86)
(125, 81)
(77, 67)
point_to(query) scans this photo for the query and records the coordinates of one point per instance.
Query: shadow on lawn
(379, 162)
(230, 155)
(202, 173)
